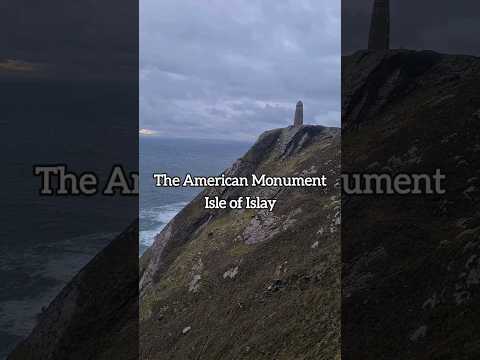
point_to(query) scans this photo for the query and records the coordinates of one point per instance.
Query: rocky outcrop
(251, 284)
(373, 82)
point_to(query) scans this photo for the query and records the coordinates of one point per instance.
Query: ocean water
(177, 157)
(46, 240)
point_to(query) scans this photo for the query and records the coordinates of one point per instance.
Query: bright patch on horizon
(147, 132)
(16, 65)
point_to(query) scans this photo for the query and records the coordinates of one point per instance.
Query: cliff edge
(95, 315)
(217, 284)
(243, 284)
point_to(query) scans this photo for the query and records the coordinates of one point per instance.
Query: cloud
(233, 69)
(147, 132)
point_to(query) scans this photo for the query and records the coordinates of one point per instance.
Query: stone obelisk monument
(379, 38)
(298, 120)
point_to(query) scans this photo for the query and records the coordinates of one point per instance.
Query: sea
(177, 157)
(45, 241)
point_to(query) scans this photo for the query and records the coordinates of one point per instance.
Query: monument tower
(379, 38)
(298, 120)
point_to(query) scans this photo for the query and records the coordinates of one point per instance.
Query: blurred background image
(69, 95)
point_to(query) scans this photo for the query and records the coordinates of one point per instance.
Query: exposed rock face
(298, 119)
(410, 280)
(262, 291)
(96, 315)
(379, 38)
(372, 82)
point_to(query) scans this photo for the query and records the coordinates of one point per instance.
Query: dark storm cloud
(236, 68)
(443, 26)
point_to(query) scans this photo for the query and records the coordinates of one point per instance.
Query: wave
(154, 219)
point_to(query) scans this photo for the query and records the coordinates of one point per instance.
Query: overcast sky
(232, 69)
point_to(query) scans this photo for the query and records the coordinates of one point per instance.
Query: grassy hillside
(250, 284)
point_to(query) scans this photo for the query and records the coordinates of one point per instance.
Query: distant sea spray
(154, 220)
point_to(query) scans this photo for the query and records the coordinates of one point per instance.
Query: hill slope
(411, 263)
(96, 315)
(249, 284)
